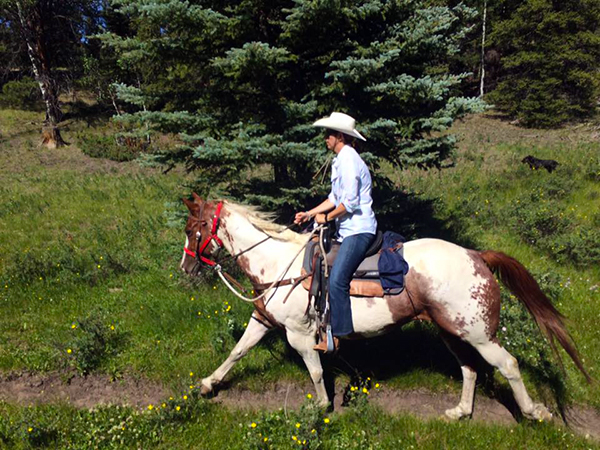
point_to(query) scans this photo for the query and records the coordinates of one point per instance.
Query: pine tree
(241, 82)
(550, 53)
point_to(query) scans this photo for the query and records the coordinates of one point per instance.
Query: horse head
(201, 239)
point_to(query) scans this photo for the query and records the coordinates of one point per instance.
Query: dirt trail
(87, 392)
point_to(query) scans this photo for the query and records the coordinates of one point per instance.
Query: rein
(227, 279)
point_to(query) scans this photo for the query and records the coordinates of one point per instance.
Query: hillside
(89, 252)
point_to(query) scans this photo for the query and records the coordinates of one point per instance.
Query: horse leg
(464, 354)
(303, 343)
(255, 331)
(498, 357)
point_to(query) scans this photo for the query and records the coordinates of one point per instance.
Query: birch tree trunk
(482, 79)
(31, 22)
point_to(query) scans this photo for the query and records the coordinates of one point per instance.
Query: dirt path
(87, 392)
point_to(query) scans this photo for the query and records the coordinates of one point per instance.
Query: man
(350, 204)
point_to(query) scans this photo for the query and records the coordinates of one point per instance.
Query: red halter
(213, 236)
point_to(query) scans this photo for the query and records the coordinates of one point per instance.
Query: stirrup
(330, 343)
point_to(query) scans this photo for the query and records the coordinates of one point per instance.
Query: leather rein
(216, 265)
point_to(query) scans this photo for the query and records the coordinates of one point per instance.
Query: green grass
(89, 253)
(194, 423)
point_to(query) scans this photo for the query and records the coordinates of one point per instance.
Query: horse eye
(188, 232)
(204, 223)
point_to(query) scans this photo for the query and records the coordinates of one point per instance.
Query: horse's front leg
(252, 336)
(303, 343)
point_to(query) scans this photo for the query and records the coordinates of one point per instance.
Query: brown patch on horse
(520, 282)
(244, 264)
(409, 304)
(487, 294)
(262, 315)
(413, 304)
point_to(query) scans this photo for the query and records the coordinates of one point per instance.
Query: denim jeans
(350, 255)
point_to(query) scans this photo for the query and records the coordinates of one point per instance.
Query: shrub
(21, 94)
(95, 340)
(581, 247)
(271, 430)
(110, 147)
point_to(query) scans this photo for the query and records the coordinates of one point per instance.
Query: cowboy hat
(340, 122)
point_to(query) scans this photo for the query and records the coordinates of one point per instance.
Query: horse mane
(263, 221)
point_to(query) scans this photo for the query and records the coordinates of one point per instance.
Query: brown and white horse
(452, 286)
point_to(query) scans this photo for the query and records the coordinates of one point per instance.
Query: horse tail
(520, 282)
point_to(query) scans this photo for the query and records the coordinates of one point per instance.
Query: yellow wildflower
(150, 407)
(309, 396)
(253, 424)
(326, 420)
(298, 425)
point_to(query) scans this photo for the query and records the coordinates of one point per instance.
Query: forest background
(218, 97)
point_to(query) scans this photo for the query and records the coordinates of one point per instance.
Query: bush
(95, 340)
(110, 147)
(271, 430)
(22, 94)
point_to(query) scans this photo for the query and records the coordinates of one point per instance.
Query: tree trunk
(481, 83)
(32, 32)
(281, 174)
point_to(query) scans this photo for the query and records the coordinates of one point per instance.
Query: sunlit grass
(83, 240)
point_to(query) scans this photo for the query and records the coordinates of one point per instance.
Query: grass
(181, 423)
(89, 251)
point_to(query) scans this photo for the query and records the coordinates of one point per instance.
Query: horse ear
(190, 205)
(197, 198)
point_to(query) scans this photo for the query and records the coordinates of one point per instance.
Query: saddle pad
(358, 287)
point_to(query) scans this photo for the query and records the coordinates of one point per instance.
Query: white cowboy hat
(340, 122)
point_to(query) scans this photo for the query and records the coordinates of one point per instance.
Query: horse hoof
(205, 390)
(455, 413)
(540, 412)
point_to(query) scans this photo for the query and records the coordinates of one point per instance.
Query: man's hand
(301, 217)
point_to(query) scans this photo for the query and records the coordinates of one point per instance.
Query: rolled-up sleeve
(350, 185)
(331, 198)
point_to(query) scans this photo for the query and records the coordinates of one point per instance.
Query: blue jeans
(350, 255)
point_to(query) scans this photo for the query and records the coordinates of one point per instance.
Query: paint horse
(449, 285)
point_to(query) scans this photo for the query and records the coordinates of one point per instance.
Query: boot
(322, 345)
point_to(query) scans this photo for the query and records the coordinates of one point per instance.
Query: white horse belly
(370, 316)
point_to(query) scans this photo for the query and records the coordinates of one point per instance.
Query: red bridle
(212, 236)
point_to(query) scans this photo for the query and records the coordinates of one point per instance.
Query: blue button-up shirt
(351, 185)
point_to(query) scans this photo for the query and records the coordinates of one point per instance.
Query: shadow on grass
(416, 346)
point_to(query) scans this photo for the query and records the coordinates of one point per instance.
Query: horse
(451, 286)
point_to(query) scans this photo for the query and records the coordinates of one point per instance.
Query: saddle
(365, 281)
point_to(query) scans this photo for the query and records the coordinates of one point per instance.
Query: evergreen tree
(241, 82)
(550, 54)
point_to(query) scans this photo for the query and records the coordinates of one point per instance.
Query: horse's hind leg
(509, 368)
(252, 336)
(464, 353)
